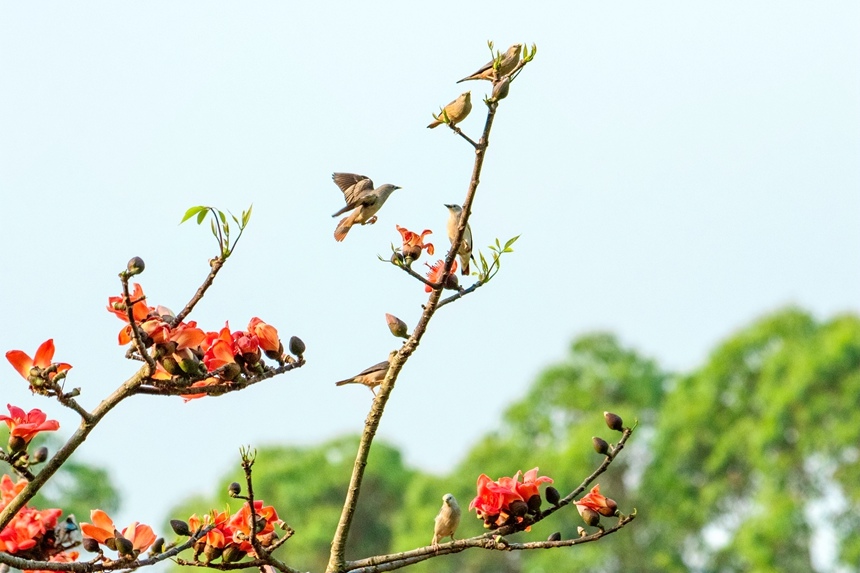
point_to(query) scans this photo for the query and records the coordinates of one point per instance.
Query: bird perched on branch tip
(510, 59)
(465, 250)
(361, 198)
(371, 377)
(447, 520)
(456, 111)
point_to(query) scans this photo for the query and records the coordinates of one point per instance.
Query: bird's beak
(449, 206)
(397, 187)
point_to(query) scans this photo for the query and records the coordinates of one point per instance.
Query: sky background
(675, 171)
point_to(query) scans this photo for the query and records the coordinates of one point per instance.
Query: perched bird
(447, 520)
(371, 377)
(361, 198)
(456, 111)
(510, 59)
(465, 252)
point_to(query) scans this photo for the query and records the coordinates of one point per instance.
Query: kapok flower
(139, 308)
(594, 501)
(434, 275)
(22, 362)
(266, 334)
(28, 528)
(413, 243)
(102, 530)
(24, 426)
(499, 501)
(530, 485)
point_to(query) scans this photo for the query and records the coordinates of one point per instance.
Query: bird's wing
(352, 185)
(483, 68)
(375, 368)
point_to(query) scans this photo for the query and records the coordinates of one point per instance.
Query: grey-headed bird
(447, 520)
(456, 111)
(361, 198)
(510, 59)
(371, 377)
(465, 251)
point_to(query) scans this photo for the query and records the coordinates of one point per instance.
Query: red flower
(102, 528)
(435, 273)
(24, 364)
(495, 498)
(266, 334)
(29, 526)
(531, 483)
(139, 308)
(594, 501)
(413, 243)
(26, 425)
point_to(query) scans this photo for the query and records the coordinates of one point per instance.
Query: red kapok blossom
(27, 529)
(531, 483)
(413, 243)
(102, 528)
(24, 364)
(140, 310)
(434, 275)
(26, 425)
(266, 334)
(595, 501)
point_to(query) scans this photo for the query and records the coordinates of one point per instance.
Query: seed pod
(39, 456)
(554, 537)
(614, 421)
(534, 503)
(157, 547)
(234, 489)
(601, 446)
(135, 266)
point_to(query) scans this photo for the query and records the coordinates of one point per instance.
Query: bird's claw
(371, 221)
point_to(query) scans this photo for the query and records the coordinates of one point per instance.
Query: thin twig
(215, 265)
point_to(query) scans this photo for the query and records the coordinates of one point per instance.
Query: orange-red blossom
(102, 529)
(436, 273)
(494, 499)
(413, 243)
(25, 365)
(27, 529)
(25, 425)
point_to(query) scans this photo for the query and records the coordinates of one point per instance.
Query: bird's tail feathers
(343, 228)
(347, 381)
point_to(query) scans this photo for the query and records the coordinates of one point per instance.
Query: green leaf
(246, 215)
(223, 217)
(202, 215)
(191, 212)
(511, 242)
(214, 231)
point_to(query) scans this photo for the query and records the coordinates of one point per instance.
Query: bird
(447, 520)
(456, 111)
(465, 252)
(371, 377)
(510, 59)
(361, 198)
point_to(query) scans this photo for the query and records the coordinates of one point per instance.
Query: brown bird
(447, 520)
(510, 59)
(371, 377)
(361, 198)
(456, 111)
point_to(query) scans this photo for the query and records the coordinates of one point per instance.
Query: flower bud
(180, 527)
(600, 445)
(614, 421)
(231, 553)
(157, 547)
(16, 444)
(610, 509)
(552, 496)
(397, 327)
(397, 259)
(276, 354)
(39, 456)
(234, 489)
(230, 371)
(110, 543)
(452, 282)
(519, 508)
(135, 266)
(554, 537)
(171, 365)
(211, 553)
(297, 347)
(411, 253)
(589, 516)
(501, 88)
(534, 503)
(90, 544)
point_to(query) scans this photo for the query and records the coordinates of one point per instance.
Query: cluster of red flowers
(31, 533)
(230, 536)
(184, 350)
(130, 541)
(508, 499)
(23, 426)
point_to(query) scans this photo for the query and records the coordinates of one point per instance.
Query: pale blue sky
(674, 169)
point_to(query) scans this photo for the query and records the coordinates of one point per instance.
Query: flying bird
(361, 198)
(456, 111)
(510, 59)
(371, 377)
(465, 251)
(447, 520)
